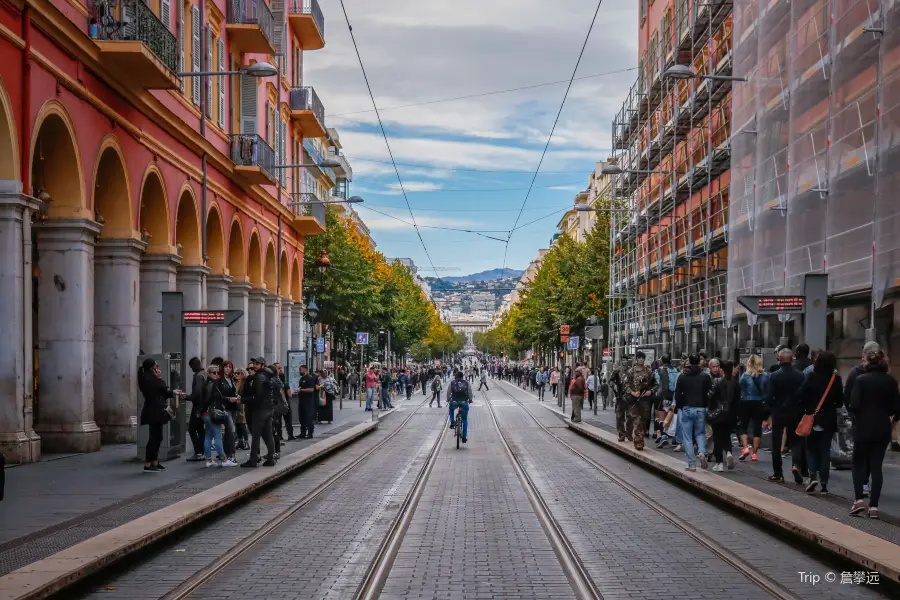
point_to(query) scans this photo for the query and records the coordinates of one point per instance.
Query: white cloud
(565, 188)
(414, 186)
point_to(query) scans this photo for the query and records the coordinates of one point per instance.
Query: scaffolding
(814, 148)
(672, 139)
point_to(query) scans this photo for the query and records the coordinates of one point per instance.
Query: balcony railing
(307, 204)
(252, 12)
(308, 7)
(251, 150)
(345, 170)
(316, 157)
(134, 21)
(305, 98)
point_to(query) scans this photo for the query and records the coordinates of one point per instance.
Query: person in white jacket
(483, 381)
(593, 384)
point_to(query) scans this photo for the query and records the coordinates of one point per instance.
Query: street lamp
(260, 69)
(328, 163)
(352, 200)
(323, 263)
(612, 168)
(589, 208)
(312, 310)
(684, 72)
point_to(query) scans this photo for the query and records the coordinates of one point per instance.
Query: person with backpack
(751, 410)
(261, 397)
(665, 378)
(459, 395)
(781, 400)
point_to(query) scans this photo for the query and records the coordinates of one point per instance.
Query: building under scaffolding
(815, 163)
(671, 142)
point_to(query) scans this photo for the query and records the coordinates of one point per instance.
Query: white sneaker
(210, 463)
(677, 448)
(719, 468)
(729, 460)
(229, 463)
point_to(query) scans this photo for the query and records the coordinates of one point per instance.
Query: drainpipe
(203, 92)
(26, 99)
(278, 261)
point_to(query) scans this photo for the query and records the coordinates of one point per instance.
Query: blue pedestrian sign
(573, 343)
(362, 338)
(320, 345)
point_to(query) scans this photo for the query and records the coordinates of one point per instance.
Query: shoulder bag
(806, 423)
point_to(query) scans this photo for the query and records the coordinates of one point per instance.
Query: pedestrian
(624, 423)
(155, 412)
(592, 385)
(875, 406)
(342, 381)
(386, 384)
(306, 401)
(371, 388)
(195, 422)
(566, 380)
(215, 417)
(720, 413)
(638, 394)
(353, 383)
(436, 388)
(821, 395)
(258, 395)
(483, 382)
(576, 393)
(665, 377)
(783, 403)
(554, 381)
(691, 400)
(228, 389)
(751, 410)
(283, 415)
(801, 357)
(325, 412)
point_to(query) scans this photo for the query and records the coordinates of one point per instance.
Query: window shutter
(165, 14)
(249, 108)
(270, 130)
(195, 53)
(283, 153)
(181, 61)
(299, 67)
(276, 141)
(223, 81)
(209, 67)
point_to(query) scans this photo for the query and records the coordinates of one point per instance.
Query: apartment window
(195, 53)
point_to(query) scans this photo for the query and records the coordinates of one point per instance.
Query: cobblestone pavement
(609, 526)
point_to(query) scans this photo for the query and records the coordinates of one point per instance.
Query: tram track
(186, 588)
(582, 583)
(754, 575)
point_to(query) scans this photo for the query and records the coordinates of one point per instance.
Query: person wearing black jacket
(213, 401)
(801, 358)
(257, 397)
(722, 415)
(875, 404)
(823, 379)
(195, 423)
(228, 389)
(691, 400)
(786, 412)
(153, 414)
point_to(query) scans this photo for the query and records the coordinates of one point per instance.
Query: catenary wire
(384, 135)
(482, 94)
(552, 130)
(466, 169)
(481, 232)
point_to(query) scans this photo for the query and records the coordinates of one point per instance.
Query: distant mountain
(491, 275)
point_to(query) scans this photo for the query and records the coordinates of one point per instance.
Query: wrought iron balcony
(306, 19)
(316, 157)
(135, 44)
(250, 26)
(253, 158)
(310, 213)
(307, 110)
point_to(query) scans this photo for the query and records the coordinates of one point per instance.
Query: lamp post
(684, 72)
(312, 311)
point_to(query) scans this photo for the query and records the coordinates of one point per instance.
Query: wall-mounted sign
(210, 318)
(774, 305)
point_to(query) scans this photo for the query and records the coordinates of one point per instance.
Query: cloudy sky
(466, 163)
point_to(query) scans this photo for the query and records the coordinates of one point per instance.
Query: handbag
(218, 416)
(323, 400)
(806, 423)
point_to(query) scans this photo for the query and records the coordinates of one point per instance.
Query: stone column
(217, 299)
(238, 299)
(256, 322)
(117, 333)
(65, 416)
(297, 319)
(158, 273)
(191, 281)
(271, 343)
(286, 317)
(18, 441)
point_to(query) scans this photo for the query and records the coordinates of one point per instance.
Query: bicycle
(458, 425)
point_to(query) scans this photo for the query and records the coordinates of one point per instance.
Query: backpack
(459, 390)
(667, 382)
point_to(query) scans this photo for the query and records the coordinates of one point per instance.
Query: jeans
(153, 442)
(867, 460)
(261, 427)
(386, 398)
(465, 414)
(213, 436)
(818, 455)
(370, 397)
(540, 391)
(794, 442)
(692, 421)
(435, 395)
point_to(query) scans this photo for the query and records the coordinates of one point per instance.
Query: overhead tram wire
(465, 169)
(552, 129)
(480, 232)
(482, 94)
(384, 134)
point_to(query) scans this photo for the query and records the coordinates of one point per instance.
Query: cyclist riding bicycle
(459, 395)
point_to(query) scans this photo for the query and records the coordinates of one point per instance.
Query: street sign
(320, 345)
(210, 318)
(573, 342)
(565, 329)
(362, 338)
(774, 305)
(593, 332)
(564, 339)
(606, 352)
